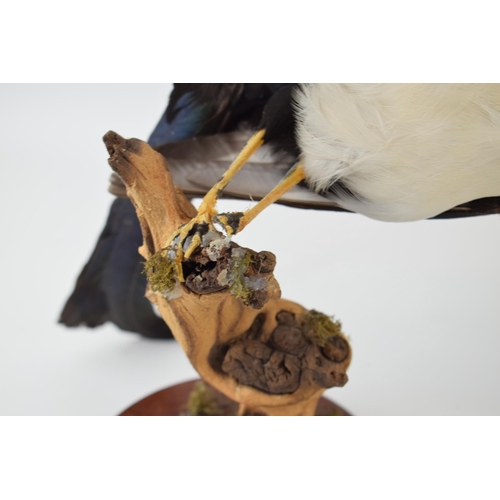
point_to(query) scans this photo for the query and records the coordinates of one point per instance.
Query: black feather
(111, 285)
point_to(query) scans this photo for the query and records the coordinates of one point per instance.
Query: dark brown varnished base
(172, 402)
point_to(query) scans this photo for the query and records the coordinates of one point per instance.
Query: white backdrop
(420, 301)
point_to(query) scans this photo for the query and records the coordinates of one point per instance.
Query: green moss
(160, 271)
(239, 286)
(335, 413)
(202, 402)
(319, 327)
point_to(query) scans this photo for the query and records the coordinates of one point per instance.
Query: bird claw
(187, 239)
(230, 221)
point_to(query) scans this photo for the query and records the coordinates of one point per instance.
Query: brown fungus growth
(222, 265)
(291, 357)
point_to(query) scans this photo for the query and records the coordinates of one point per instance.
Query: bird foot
(188, 238)
(232, 222)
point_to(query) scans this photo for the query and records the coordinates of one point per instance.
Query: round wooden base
(172, 402)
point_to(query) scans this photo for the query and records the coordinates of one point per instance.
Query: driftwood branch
(274, 360)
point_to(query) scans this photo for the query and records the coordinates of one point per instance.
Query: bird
(391, 152)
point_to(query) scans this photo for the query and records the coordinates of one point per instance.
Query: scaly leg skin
(207, 210)
(235, 222)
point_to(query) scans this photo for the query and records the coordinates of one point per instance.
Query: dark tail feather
(111, 286)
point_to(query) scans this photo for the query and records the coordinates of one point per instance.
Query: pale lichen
(319, 327)
(214, 246)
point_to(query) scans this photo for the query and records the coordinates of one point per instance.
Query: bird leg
(210, 199)
(234, 222)
(202, 223)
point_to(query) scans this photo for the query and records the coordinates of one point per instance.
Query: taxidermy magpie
(393, 152)
(111, 286)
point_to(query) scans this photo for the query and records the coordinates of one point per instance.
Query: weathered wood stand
(275, 360)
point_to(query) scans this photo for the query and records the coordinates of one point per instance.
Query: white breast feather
(406, 151)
